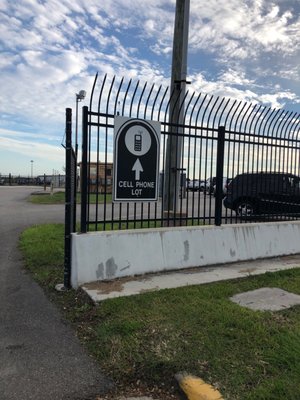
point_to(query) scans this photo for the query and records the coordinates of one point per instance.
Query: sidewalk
(41, 358)
(99, 291)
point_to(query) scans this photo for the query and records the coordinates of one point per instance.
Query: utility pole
(172, 171)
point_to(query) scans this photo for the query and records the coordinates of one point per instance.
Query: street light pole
(31, 169)
(79, 97)
(172, 170)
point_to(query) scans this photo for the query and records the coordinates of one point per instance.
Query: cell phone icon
(137, 142)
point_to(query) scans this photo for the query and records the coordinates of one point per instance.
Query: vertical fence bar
(84, 170)
(219, 177)
(74, 188)
(69, 222)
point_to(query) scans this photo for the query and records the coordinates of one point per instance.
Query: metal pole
(68, 200)
(76, 127)
(76, 156)
(79, 96)
(219, 177)
(84, 170)
(178, 88)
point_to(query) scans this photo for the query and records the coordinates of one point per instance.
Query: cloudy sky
(51, 49)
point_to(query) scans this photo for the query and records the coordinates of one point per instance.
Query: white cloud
(20, 135)
(234, 85)
(254, 25)
(53, 49)
(33, 149)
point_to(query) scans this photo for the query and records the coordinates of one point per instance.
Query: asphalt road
(40, 356)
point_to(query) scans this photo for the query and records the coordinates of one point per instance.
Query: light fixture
(81, 95)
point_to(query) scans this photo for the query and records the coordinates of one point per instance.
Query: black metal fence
(216, 139)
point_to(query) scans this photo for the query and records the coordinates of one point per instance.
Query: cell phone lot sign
(136, 159)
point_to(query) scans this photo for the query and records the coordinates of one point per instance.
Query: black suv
(263, 193)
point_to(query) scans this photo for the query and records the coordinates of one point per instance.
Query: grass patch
(148, 338)
(43, 250)
(47, 198)
(59, 198)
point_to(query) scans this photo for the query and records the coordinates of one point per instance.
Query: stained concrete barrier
(115, 254)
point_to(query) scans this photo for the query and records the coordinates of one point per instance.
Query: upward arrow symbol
(137, 167)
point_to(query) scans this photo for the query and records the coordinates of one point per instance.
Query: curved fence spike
(211, 112)
(116, 109)
(93, 89)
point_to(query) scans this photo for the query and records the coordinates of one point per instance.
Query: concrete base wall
(115, 254)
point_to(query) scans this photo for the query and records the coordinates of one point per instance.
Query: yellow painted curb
(196, 389)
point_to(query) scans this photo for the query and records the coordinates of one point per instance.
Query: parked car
(263, 193)
(225, 184)
(196, 185)
(209, 185)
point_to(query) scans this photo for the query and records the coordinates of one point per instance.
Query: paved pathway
(40, 356)
(127, 286)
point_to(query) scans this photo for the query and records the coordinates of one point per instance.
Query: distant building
(99, 177)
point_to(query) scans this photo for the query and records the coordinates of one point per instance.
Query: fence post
(219, 176)
(84, 170)
(68, 200)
